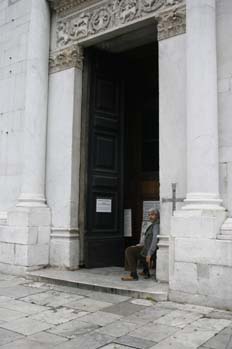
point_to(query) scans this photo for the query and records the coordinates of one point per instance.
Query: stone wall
(224, 53)
(14, 28)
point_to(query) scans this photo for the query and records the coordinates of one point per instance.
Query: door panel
(104, 243)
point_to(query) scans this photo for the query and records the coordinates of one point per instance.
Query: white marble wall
(14, 29)
(63, 162)
(224, 55)
(172, 102)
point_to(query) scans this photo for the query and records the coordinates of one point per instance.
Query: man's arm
(154, 240)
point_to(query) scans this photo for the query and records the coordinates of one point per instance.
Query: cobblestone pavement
(42, 316)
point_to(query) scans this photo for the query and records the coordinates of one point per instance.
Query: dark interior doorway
(123, 147)
(141, 136)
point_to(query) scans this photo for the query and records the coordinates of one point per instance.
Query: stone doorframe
(82, 23)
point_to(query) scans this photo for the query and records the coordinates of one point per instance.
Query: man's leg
(132, 254)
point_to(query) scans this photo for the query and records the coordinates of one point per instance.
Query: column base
(24, 239)
(65, 248)
(203, 201)
(31, 200)
(162, 263)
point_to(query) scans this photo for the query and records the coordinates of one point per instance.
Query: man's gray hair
(155, 210)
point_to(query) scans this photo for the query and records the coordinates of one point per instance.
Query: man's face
(152, 216)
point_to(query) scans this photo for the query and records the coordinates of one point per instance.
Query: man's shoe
(129, 278)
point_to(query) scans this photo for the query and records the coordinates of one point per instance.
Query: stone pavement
(35, 315)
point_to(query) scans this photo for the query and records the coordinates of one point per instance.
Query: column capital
(69, 57)
(172, 23)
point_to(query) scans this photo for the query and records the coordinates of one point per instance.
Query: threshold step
(103, 280)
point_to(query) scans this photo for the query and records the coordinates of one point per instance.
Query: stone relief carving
(69, 57)
(171, 23)
(115, 13)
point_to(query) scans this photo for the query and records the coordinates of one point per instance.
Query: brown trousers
(132, 255)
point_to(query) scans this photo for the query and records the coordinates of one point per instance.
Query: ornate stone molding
(113, 14)
(68, 57)
(172, 23)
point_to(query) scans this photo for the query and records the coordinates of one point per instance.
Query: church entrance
(122, 137)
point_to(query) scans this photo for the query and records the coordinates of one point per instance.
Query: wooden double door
(117, 177)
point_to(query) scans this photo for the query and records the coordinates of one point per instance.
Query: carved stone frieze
(111, 14)
(68, 57)
(172, 23)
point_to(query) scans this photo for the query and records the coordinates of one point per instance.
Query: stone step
(103, 280)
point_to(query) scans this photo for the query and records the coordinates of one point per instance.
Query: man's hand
(148, 260)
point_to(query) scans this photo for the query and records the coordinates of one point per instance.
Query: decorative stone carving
(172, 23)
(115, 13)
(67, 58)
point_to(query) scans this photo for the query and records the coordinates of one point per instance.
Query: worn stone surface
(43, 316)
(124, 308)
(134, 342)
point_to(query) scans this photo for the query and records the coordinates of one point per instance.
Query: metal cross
(174, 199)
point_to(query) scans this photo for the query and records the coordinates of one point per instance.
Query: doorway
(122, 159)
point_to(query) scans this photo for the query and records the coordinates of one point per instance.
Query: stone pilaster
(35, 116)
(202, 107)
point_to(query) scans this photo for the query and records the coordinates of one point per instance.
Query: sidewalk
(36, 315)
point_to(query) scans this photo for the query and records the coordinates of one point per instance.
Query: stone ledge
(85, 279)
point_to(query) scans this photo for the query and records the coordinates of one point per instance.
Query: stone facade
(40, 130)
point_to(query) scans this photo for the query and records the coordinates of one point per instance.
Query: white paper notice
(104, 205)
(127, 223)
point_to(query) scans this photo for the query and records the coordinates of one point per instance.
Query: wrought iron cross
(174, 199)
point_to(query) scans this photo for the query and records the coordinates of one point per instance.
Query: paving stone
(26, 326)
(218, 314)
(73, 328)
(88, 304)
(100, 318)
(12, 282)
(144, 302)
(89, 341)
(47, 338)
(172, 344)
(115, 346)
(27, 344)
(18, 291)
(186, 307)
(221, 341)
(138, 343)
(57, 316)
(8, 336)
(107, 297)
(191, 336)
(148, 315)
(154, 332)
(178, 318)
(118, 328)
(8, 315)
(5, 299)
(124, 308)
(215, 325)
(52, 298)
(20, 306)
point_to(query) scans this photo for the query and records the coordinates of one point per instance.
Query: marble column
(202, 107)
(34, 147)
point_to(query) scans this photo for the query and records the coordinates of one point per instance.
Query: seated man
(144, 250)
